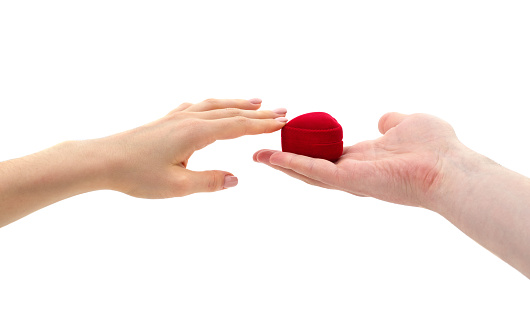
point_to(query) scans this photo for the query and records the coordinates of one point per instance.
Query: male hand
(404, 166)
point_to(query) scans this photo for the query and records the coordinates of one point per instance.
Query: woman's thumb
(208, 181)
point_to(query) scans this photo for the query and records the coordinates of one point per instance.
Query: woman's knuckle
(188, 127)
(262, 114)
(194, 123)
(241, 120)
(211, 101)
(243, 123)
(233, 112)
(214, 184)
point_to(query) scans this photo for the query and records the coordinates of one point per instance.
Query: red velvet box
(315, 134)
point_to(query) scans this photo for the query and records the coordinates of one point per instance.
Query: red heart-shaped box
(315, 134)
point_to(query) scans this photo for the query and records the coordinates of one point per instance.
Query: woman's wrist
(112, 163)
(91, 164)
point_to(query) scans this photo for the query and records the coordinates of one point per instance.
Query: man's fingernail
(230, 181)
(281, 119)
(280, 111)
(255, 101)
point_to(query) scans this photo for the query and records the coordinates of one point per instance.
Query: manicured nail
(280, 111)
(255, 100)
(230, 181)
(281, 119)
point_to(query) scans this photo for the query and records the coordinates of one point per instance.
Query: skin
(420, 162)
(148, 162)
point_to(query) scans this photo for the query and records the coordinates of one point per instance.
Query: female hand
(151, 161)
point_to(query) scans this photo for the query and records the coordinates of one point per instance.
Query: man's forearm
(491, 204)
(38, 180)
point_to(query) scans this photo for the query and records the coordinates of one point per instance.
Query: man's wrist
(462, 172)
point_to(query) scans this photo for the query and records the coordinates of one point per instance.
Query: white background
(273, 250)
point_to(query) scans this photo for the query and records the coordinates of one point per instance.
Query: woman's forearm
(38, 180)
(491, 204)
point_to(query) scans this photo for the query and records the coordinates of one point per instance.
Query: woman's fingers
(229, 128)
(215, 104)
(231, 113)
(182, 107)
(390, 120)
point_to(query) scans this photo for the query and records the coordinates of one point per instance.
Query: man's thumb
(208, 181)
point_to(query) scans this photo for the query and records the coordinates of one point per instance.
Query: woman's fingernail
(280, 111)
(281, 119)
(230, 181)
(255, 101)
